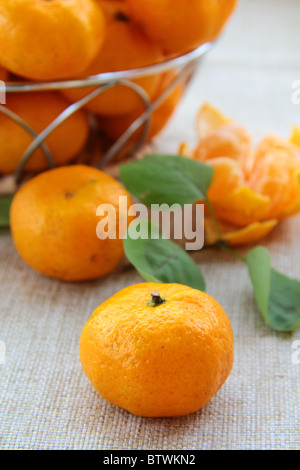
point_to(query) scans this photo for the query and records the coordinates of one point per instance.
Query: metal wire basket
(184, 65)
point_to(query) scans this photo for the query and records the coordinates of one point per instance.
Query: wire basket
(184, 65)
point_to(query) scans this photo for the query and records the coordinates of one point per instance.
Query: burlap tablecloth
(46, 400)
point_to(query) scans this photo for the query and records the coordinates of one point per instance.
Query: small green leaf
(259, 267)
(277, 295)
(284, 302)
(5, 203)
(158, 259)
(169, 179)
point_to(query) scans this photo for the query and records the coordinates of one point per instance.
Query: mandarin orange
(115, 126)
(158, 350)
(38, 110)
(54, 223)
(46, 40)
(180, 26)
(125, 48)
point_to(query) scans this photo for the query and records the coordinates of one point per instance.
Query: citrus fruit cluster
(74, 39)
(153, 349)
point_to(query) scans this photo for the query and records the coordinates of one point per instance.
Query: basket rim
(102, 78)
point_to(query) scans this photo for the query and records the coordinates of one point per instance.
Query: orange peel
(254, 187)
(238, 236)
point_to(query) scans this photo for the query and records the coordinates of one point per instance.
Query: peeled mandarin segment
(276, 147)
(125, 48)
(229, 140)
(219, 135)
(242, 207)
(209, 119)
(248, 165)
(294, 207)
(46, 40)
(250, 234)
(273, 175)
(39, 109)
(278, 191)
(157, 358)
(228, 176)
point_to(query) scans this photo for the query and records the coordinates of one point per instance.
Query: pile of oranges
(152, 354)
(65, 40)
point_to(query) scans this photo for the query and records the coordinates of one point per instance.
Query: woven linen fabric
(47, 401)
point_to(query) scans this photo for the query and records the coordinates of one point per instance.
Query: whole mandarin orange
(179, 26)
(158, 350)
(115, 126)
(54, 223)
(47, 40)
(125, 48)
(38, 110)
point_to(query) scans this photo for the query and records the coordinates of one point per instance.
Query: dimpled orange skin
(38, 110)
(53, 223)
(162, 361)
(125, 48)
(47, 40)
(182, 25)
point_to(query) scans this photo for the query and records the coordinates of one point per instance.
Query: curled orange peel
(254, 187)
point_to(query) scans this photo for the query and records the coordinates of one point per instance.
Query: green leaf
(277, 295)
(5, 203)
(169, 179)
(259, 267)
(158, 259)
(284, 302)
